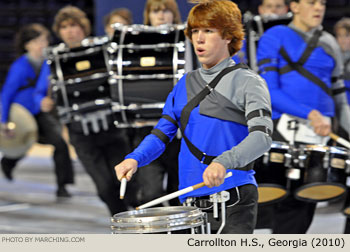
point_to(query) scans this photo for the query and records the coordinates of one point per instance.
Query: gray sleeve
(255, 96)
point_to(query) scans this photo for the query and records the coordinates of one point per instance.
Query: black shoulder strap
(186, 111)
(298, 66)
(31, 82)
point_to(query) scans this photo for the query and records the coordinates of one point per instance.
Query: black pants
(50, 133)
(99, 154)
(240, 218)
(150, 177)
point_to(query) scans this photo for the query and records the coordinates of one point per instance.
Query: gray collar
(302, 33)
(217, 68)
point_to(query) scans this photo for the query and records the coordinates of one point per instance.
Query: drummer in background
(120, 15)
(19, 87)
(267, 9)
(301, 94)
(98, 152)
(272, 8)
(342, 34)
(159, 12)
(216, 32)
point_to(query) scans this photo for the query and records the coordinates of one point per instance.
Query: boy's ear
(294, 7)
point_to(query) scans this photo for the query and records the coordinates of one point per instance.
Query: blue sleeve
(268, 48)
(152, 147)
(42, 85)
(14, 80)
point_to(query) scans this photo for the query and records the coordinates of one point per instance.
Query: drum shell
(271, 173)
(157, 220)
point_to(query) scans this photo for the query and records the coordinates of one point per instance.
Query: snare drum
(271, 171)
(146, 62)
(323, 173)
(79, 78)
(160, 220)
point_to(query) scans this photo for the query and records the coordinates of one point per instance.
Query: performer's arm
(152, 145)
(14, 80)
(256, 97)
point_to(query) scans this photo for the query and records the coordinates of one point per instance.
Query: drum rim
(126, 217)
(280, 145)
(325, 148)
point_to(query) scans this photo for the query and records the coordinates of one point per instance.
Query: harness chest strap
(194, 102)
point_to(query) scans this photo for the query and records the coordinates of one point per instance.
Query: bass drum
(146, 63)
(79, 78)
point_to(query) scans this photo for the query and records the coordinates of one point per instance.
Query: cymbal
(25, 132)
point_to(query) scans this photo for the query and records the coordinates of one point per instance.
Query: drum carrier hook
(216, 198)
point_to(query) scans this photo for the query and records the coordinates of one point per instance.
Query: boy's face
(269, 7)
(343, 38)
(209, 46)
(71, 33)
(114, 19)
(35, 47)
(161, 16)
(308, 14)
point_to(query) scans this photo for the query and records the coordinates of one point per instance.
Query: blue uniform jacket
(20, 74)
(211, 135)
(291, 92)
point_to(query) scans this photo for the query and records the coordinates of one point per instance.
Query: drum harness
(299, 66)
(223, 196)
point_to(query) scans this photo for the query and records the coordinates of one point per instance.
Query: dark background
(15, 13)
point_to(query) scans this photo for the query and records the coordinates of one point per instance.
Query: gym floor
(28, 205)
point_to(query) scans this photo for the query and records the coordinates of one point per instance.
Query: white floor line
(14, 207)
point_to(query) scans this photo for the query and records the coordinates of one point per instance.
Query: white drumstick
(175, 194)
(123, 187)
(340, 140)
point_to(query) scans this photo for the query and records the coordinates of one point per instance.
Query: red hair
(222, 15)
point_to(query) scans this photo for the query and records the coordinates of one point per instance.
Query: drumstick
(123, 187)
(175, 194)
(340, 140)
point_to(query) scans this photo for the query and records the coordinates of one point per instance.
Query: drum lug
(347, 166)
(288, 159)
(266, 158)
(302, 160)
(293, 173)
(326, 160)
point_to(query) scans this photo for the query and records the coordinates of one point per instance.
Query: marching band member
(301, 65)
(120, 15)
(98, 152)
(230, 127)
(19, 88)
(268, 8)
(342, 34)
